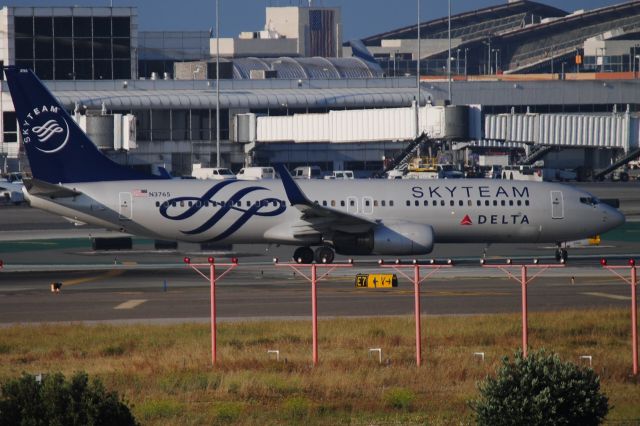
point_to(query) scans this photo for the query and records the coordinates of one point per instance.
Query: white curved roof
(247, 98)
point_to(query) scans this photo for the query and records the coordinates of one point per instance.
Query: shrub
(400, 399)
(540, 390)
(54, 400)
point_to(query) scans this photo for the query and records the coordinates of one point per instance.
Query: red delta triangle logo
(466, 220)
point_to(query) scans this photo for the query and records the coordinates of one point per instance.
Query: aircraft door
(352, 205)
(125, 209)
(557, 205)
(367, 205)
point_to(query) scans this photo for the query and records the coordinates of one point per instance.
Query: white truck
(217, 173)
(340, 175)
(256, 173)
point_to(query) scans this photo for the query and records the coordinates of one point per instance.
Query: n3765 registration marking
(159, 194)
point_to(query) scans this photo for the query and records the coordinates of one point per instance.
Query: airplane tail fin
(58, 150)
(359, 50)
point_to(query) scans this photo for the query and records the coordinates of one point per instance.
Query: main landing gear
(561, 254)
(323, 254)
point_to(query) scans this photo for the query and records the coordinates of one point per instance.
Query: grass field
(164, 371)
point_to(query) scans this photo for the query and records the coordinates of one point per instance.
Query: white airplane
(72, 178)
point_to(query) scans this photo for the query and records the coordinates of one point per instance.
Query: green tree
(56, 401)
(540, 390)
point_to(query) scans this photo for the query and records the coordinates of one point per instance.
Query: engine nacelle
(390, 239)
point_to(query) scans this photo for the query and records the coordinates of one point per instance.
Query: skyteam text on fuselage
(72, 178)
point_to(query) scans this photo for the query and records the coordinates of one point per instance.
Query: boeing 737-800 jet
(72, 178)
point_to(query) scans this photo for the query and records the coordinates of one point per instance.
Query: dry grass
(164, 371)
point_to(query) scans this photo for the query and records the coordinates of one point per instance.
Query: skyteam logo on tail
(45, 129)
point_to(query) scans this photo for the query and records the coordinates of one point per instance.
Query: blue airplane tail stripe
(57, 149)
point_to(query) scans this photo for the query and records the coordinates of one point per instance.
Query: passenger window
(461, 203)
(519, 202)
(248, 203)
(442, 203)
(426, 203)
(157, 203)
(352, 203)
(502, 202)
(391, 203)
(510, 202)
(375, 203)
(486, 203)
(495, 202)
(333, 203)
(342, 203)
(417, 203)
(181, 203)
(408, 203)
(367, 203)
(324, 203)
(383, 203)
(452, 203)
(526, 202)
(478, 203)
(316, 201)
(435, 202)
(198, 203)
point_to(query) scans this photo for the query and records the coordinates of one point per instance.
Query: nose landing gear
(561, 254)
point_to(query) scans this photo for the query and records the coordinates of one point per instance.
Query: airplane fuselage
(459, 211)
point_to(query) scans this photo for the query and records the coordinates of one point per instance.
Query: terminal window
(74, 48)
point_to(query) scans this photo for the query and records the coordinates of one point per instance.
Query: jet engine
(392, 239)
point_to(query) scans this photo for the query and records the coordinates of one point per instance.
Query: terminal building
(291, 92)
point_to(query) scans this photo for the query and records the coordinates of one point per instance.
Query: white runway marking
(130, 304)
(608, 296)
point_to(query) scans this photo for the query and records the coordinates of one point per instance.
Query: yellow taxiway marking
(130, 304)
(110, 274)
(608, 296)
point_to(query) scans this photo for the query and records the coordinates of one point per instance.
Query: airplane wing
(44, 189)
(316, 216)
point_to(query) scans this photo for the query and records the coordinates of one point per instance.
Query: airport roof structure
(476, 24)
(250, 98)
(525, 47)
(307, 68)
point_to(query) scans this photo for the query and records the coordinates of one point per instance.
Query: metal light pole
(458, 62)
(449, 54)
(217, 85)
(212, 278)
(633, 282)
(418, 77)
(416, 266)
(524, 281)
(465, 61)
(313, 279)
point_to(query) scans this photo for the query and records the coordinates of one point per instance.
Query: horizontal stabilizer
(41, 188)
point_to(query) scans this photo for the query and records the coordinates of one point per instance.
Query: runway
(269, 293)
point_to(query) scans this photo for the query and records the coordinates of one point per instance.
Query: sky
(360, 18)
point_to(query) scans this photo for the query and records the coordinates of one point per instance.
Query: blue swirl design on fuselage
(257, 208)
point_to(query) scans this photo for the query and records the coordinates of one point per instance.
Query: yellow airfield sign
(376, 281)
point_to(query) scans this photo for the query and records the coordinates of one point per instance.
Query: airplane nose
(614, 218)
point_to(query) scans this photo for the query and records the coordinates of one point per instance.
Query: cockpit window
(592, 201)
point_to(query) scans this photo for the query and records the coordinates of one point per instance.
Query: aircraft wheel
(324, 254)
(303, 255)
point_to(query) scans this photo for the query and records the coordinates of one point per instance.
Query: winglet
(294, 193)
